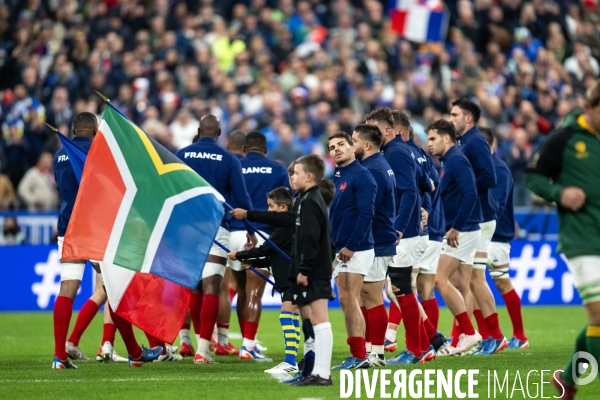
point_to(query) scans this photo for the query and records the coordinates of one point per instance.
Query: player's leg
(374, 309)
(255, 287)
(321, 374)
(291, 338)
(499, 257)
(394, 319)
(426, 281)
(349, 277)
(71, 274)
(223, 347)
(106, 352)
(399, 283)
(186, 347)
(86, 314)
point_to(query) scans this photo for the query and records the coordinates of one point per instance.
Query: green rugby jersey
(571, 157)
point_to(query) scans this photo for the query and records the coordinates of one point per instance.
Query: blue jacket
(352, 208)
(261, 176)
(436, 223)
(459, 192)
(425, 163)
(503, 192)
(234, 224)
(221, 169)
(408, 206)
(384, 234)
(67, 183)
(475, 147)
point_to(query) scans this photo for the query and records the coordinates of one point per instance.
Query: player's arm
(366, 191)
(502, 189)
(465, 179)
(423, 180)
(238, 189)
(483, 166)
(275, 219)
(308, 236)
(545, 167)
(406, 185)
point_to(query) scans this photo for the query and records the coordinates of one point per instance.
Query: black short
(316, 289)
(286, 294)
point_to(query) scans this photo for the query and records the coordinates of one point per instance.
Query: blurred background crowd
(295, 70)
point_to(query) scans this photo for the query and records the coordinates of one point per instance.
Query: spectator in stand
(183, 128)
(37, 189)
(517, 159)
(11, 233)
(8, 199)
(287, 150)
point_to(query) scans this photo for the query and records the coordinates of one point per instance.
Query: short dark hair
(469, 107)
(370, 133)
(85, 122)
(487, 134)
(236, 140)
(256, 139)
(381, 115)
(340, 135)
(313, 164)
(411, 133)
(400, 119)
(327, 189)
(291, 168)
(280, 196)
(443, 127)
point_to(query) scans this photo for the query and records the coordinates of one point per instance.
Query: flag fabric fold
(419, 21)
(148, 219)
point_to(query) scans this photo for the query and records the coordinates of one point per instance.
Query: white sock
(197, 338)
(369, 346)
(377, 349)
(184, 336)
(309, 345)
(223, 336)
(323, 350)
(215, 334)
(203, 346)
(390, 335)
(249, 344)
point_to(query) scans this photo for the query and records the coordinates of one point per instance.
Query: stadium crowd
(296, 70)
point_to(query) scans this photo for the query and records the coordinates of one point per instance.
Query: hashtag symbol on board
(538, 281)
(50, 285)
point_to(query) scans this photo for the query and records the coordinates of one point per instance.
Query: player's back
(67, 182)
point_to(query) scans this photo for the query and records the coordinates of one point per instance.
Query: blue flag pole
(257, 272)
(273, 245)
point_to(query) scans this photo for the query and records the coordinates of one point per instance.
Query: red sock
(494, 326)
(154, 341)
(464, 324)
(126, 330)
(84, 318)
(365, 314)
(424, 338)
(195, 307)
(455, 331)
(432, 309)
(395, 314)
(185, 326)
(232, 294)
(250, 329)
(513, 305)
(378, 320)
(412, 320)
(108, 333)
(481, 324)
(63, 309)
(208, 315)
(358, 348)
(430, 330)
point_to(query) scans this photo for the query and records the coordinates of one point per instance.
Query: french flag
(419, 21)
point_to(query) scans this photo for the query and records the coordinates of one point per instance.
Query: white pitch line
(192, 378)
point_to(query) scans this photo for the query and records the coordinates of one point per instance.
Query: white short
(499, 254)
(211, 268)
(238, 243)
(430, 258)
(360, 263)
(586, 276)
(420, 250)
(69, 270)
(487, 231)
(379, 269)
(405, 253)
(467, 247)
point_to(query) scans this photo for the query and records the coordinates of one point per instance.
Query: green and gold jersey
(571, 157)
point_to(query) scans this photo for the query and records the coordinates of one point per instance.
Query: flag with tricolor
(419, 21)
(148, 219)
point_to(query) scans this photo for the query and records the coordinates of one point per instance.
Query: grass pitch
(26, 345)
